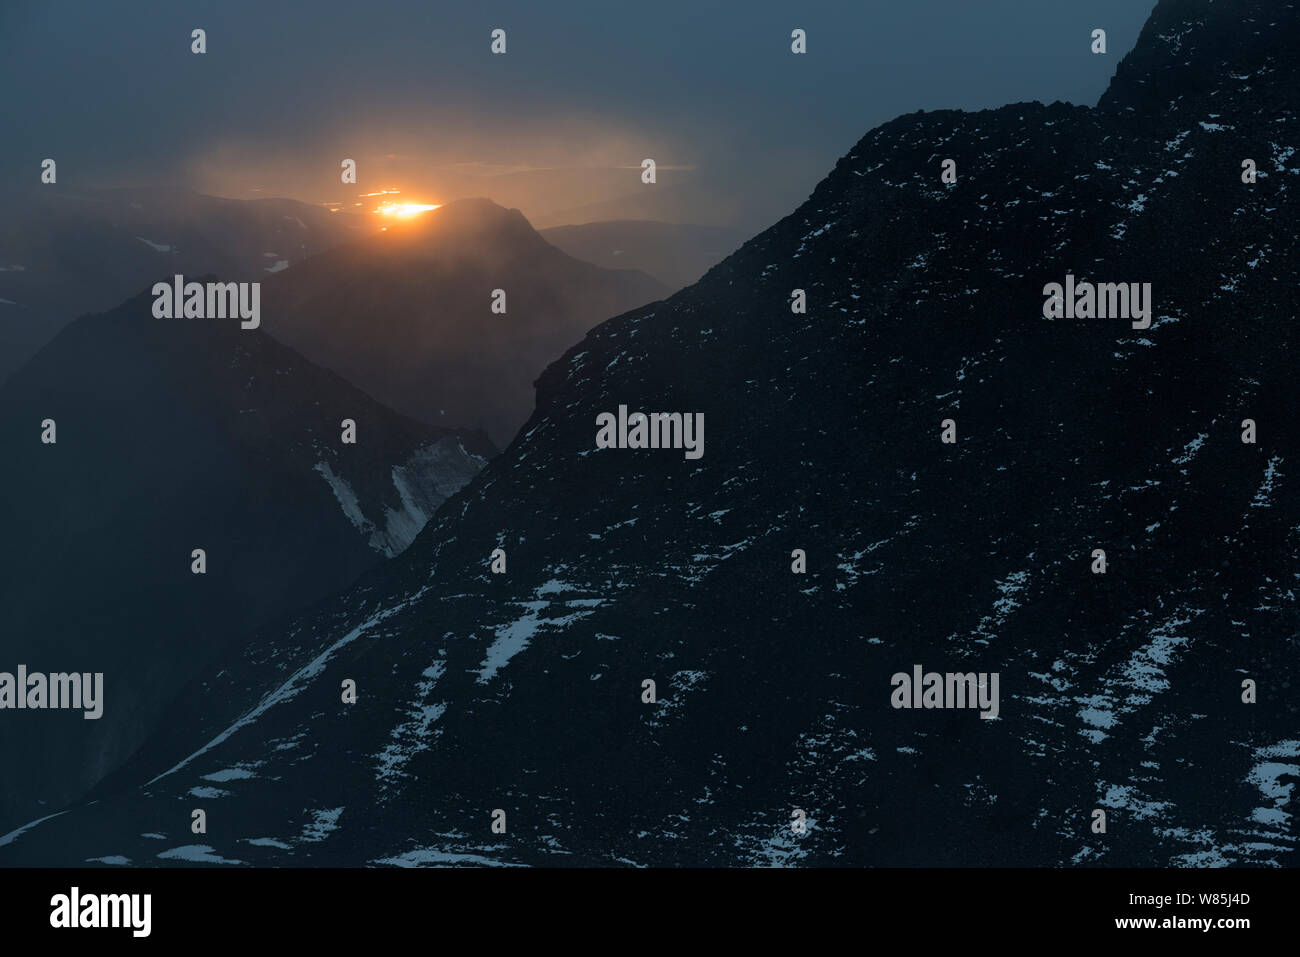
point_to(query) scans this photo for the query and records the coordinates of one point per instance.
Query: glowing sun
(404, 210)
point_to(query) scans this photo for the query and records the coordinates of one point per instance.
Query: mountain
(677, 254)
(172, 435)
(66, 251)
(522, 692)
(407, 314)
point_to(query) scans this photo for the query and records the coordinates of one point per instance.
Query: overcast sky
(586, 90)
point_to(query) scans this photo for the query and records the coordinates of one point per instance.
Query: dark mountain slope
(407, 314)
(174, 435)
(1119, 692)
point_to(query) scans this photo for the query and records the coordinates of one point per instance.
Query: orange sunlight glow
(404, 210)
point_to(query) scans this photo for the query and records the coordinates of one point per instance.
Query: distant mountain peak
(431, 344)
(468, 221)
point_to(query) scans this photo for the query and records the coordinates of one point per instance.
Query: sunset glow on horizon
(404, 210)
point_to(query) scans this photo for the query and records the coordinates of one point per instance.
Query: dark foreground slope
(175, 435)
(1121, 692)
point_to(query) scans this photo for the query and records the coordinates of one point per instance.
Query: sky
(741, 128)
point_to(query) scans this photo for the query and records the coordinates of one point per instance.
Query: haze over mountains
(173, 435)
(66, 251)
(523, 691)
(677, 254)
(677, 197)
(407, 314)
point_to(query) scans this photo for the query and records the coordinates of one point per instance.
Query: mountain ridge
(1121, 692)
(431, 345)
(67, 252)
